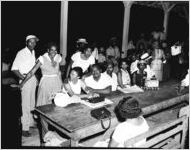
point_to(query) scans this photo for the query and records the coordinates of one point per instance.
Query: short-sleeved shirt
(113, 80)
(185, 81)
(57, 58)
(126, 130)
(126, 79)
(110, 51)
(76, 88)
(46, 67)
(24, 61)
(79, 62)
(102, 83)
(133, 66)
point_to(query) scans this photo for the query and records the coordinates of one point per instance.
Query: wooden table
(76, 122)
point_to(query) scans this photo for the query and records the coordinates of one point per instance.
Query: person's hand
(15, 86)
(20, 86)
(95, 95)
(92, 95)
(179, 89)
(89, 89)
(122, 86)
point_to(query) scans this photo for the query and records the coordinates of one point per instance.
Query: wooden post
(165, 24)
(167, 8)
(63, 28)
(127, 5)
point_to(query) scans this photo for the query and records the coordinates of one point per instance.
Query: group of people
(91, 71)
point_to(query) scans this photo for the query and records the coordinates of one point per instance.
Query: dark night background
(96, 21)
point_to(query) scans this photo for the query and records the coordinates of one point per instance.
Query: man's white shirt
(24, 61)
(113, 80)
(102, 83)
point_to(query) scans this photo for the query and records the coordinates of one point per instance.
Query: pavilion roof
(179, 7)
(158, 4)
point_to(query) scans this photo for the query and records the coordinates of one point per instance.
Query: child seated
(74, 85)
(140, 75)
(123, 75)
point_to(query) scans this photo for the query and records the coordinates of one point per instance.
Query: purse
(100, 114)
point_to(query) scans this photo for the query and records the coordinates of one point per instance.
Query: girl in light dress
(124, 78)
(83, 59)
(74, 85)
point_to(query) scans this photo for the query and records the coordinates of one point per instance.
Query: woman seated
(133, 66)
(140, 75)
(132, 123)
(123, 75)
(74, 85)
(83, 59)
(110, 74)
(98, 82)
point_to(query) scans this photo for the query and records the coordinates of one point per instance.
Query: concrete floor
(161, 117)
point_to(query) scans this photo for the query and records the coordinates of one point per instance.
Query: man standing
(23, 63)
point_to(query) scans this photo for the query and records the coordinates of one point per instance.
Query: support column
(165, 23)
(127, 5)
(63, 28)
(167, 7)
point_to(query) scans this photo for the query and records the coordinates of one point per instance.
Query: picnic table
(76, 122)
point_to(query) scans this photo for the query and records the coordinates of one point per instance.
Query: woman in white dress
(83, 59)
(157, 63)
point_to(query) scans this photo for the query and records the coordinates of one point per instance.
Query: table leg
(44, 126)
(74, 143)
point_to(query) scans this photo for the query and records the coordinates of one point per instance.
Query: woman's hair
(78, 70)
(156, 41)
(138, 64)
(50, 44)
(121, 61)
(82, 47)
(128, 108)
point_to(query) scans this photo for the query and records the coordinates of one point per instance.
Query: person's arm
(68, 89)
(18, 74)
(69, 68)
(118, 53)
(31, 73)
(134, 78)
(120, 82)
(16, 65)
(62, 61)
(106, 90)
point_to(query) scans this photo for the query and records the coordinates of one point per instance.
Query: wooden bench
(168, 135)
